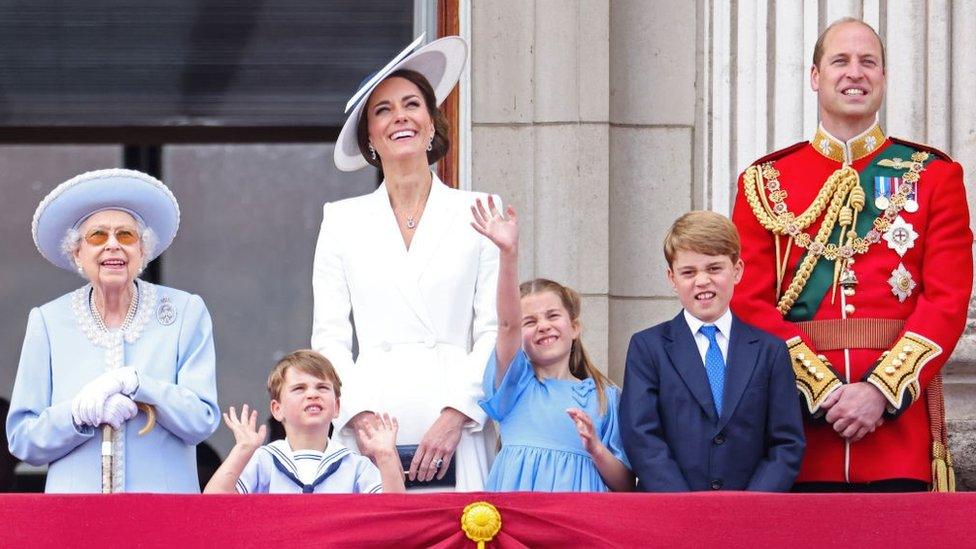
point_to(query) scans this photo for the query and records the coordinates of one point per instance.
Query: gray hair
(147, 239)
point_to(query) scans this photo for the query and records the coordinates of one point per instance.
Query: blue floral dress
(541, 450)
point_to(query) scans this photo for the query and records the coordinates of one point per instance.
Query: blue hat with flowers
(146, 198)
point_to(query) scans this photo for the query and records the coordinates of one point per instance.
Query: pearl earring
(79, 269)
(372, 151)
(430, 143)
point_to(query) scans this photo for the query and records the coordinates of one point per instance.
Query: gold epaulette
(896, 374)
(815, 379)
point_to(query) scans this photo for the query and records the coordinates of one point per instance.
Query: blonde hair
(307, 361)
(580, 364)
(703, 232)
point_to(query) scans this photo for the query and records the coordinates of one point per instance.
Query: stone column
(540, 95)
(653, 109)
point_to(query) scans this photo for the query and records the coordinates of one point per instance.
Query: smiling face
(305, 402)
(399, 122)
(849, 79)
(704, 283)
(110, 264)
(548, 331)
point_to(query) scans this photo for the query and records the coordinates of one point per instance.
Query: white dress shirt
(724, 325)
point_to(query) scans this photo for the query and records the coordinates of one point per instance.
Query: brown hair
(818, 48)
(441, 143)
(580, 364)
(703, 232)
(305, 360)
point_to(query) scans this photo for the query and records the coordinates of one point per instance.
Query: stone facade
(602, 121)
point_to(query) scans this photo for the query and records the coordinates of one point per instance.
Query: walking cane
(107, 454)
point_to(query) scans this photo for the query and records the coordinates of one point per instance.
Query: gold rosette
(480, 522)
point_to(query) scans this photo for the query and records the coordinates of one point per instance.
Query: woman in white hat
(417, 279)
(89, 356)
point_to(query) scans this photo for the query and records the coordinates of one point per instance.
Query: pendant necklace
(412, 219)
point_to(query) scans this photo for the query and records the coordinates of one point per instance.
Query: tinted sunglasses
(125, 237)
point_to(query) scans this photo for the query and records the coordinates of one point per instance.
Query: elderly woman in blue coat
(91, 355)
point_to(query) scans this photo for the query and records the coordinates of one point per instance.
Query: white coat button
(430, 342)
(386, 346)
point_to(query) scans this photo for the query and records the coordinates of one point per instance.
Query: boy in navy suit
(709, 402)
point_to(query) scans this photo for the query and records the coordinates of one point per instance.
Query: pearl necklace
(130, 314)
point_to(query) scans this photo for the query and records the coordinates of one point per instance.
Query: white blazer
(425, 319)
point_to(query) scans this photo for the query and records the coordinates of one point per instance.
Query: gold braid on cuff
(896, 373)
(815, 379)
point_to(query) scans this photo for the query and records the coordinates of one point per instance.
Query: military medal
(911, 200)
(901, 283)
(884, 187)
(900, 236)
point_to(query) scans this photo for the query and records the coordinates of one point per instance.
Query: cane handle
(150, 417)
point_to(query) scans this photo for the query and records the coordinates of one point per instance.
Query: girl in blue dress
(557, 412)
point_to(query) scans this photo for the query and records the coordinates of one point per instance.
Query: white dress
(425, 318)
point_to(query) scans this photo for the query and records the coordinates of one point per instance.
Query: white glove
(118, 409)
(86, 408)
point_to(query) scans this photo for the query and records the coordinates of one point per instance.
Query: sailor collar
(852, 150)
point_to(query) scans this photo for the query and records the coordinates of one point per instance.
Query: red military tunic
(914, 304)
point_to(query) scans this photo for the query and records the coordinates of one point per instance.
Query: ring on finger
(438, 463)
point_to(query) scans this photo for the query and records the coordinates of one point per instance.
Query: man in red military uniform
(859, 254)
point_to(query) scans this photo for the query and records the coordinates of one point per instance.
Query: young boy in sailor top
(304, 390)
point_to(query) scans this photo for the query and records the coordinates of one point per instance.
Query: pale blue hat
(70, 203)
(441, 62)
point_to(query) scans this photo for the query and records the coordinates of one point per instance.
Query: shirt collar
(854, 149)
(724, 323)
(331, 446)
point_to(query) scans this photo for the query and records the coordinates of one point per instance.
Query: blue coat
(173, 354)
(670, 429)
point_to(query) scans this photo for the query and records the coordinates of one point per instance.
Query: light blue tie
(714, 366)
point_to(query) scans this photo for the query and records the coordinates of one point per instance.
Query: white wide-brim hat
(70, 203)
(441, 62)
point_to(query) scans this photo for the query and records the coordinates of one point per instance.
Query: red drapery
(528, 520)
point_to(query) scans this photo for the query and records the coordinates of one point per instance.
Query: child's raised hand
(500, 229)
(245, 429)
(377, 435)
(587, 433)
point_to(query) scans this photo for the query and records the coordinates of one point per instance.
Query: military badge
(166, 312)
(900, 236)
(901, 283)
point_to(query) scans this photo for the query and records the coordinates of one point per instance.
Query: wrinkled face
(110, 252)
(704, 283)
(850, 80)
(548, 331)
(305, 401)
(399, 124)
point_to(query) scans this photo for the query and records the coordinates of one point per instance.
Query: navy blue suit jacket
(672, 435)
